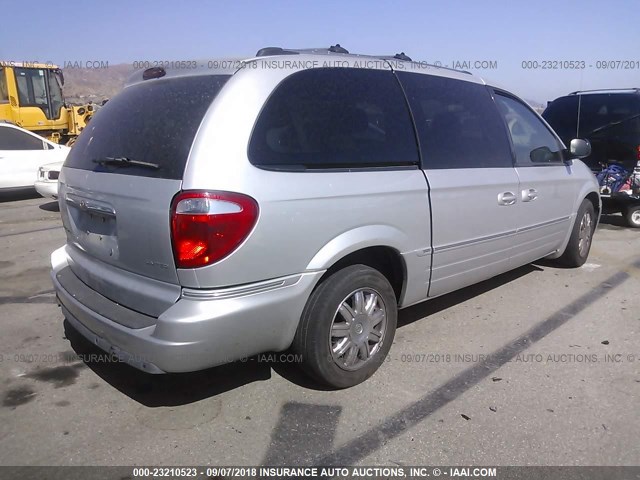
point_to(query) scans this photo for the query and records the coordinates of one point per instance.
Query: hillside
(88, 84)
(82, 85)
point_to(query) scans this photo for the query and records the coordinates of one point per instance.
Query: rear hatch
(610, 121)
(118, 183)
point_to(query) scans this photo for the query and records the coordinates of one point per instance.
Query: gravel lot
(540, 366)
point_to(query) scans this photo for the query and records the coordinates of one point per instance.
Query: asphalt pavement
(539, 366)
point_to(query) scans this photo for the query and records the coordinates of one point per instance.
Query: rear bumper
(201, 330)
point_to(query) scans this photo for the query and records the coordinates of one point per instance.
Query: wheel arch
(594, 198)
(586, 194)
(377, 246)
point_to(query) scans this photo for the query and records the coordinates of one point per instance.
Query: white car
(21, 155)
(47, 181)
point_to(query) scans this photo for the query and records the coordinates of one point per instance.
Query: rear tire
(347, 327)
(632, 215)
(577, 251)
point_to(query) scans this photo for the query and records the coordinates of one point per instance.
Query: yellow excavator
(31, 97)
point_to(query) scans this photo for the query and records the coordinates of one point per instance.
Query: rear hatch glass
(153, 122)
(610, 121)
(602, 111)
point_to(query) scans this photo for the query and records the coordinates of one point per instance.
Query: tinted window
(600, 110)
(55, 90)
(332, 118)
(532, 140)
(155, 122)
(596, 111)
(13, 139)
(31, 86)
(4, 94)
(562, 115)
(457, 121)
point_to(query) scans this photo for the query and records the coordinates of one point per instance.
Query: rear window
(14, 139)
(601, 110)
(153, 122)
(596, 111)
(335, 118)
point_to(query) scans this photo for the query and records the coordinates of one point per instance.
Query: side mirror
(542, 155)
(580, 148)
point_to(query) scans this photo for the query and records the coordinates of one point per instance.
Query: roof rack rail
(466, 72)
(268, 51)
(337, 48)
(632, 89)
(402, 56)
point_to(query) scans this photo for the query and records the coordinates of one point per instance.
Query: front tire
(347, 327)
(577, 251)
(632, 215)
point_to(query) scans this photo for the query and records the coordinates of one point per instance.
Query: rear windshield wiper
(612, 124)
(125, 162)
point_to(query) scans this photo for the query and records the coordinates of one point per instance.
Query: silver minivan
(298, 199)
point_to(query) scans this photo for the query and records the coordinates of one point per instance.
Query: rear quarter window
(154, 122)
(334, 118)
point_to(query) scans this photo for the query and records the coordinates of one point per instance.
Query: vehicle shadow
(612, 222)
(50, 206)
(292, 373)
(164, 390)
(438, 304)
(184, 388)
(26, 194)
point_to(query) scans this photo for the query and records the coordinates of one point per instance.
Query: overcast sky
(505, 33)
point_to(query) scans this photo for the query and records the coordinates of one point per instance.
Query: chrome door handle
(529, 195)
(507, 198)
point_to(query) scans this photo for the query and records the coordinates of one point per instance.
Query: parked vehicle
(47, 180)
(295, 204)
(21, 154)
(610, 120)
(620, 191)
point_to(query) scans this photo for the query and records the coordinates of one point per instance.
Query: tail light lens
(208, 226)
(638, 153)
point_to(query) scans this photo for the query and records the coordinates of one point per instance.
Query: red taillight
(208, 226)
(638, 152)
